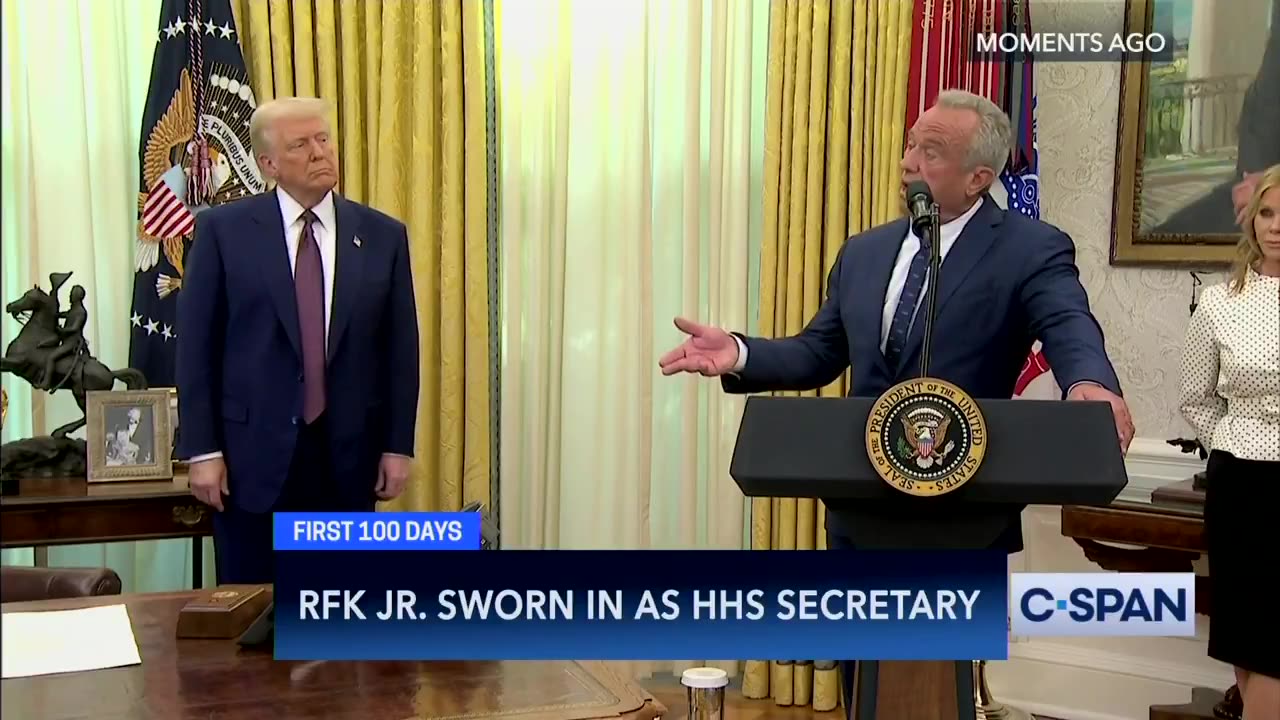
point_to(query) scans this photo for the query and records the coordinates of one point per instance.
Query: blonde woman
(1231, 396)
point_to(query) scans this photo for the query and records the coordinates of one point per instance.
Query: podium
(1042, 452)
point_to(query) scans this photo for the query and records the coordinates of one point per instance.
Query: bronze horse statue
(42, 334)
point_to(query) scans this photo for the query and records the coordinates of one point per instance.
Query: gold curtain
(406, 79)
(836, 105)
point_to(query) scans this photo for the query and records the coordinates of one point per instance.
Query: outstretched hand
(708, 351)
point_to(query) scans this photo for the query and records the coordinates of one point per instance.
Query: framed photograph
(130, 435)
(1191, 127)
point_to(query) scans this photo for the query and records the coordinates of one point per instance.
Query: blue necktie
(902, 317)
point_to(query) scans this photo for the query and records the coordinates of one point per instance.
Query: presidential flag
(194, 153)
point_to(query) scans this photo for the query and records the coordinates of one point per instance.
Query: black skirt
(1242, 533)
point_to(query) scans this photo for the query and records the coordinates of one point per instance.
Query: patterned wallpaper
(1144, 312)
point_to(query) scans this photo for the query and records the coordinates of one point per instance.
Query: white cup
(705, 688)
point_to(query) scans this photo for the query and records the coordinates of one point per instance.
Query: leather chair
(19, 584)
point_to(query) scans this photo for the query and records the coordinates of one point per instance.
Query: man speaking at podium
(1007, 280)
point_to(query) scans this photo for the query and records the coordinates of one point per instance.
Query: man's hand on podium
(1124, 422)
(709, 351)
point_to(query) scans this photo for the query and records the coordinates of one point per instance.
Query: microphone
(924, 221)
(920, 205)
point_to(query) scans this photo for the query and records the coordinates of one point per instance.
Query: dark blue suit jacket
(239, 357)
(1008, 280)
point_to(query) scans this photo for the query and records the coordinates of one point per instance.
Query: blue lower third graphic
(377, 531)
(642, 605)
(1103, 604)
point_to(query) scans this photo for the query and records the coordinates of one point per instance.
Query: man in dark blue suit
(1006, 280)
(297, 359)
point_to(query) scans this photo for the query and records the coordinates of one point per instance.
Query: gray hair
(265, 117)
(993, 140)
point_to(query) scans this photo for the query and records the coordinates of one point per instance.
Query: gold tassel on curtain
(406, 80)
(836, 104)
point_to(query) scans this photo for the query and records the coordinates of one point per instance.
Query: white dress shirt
(1231, 369)
(950, 232)
(325, 231)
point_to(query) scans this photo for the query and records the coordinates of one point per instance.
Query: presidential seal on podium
(926, 437)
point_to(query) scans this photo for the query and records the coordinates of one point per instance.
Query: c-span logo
(926, 437)
(1103, 604)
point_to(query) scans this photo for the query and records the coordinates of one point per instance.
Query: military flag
(194, 153)
(945, 54)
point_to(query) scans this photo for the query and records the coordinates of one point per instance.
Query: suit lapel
(972, 245)
(873, 283)
(349, 259)
(969, 249)
(273, 257)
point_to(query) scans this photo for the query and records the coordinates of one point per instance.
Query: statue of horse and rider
(51, 353)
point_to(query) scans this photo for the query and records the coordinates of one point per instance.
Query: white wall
(1103, 678)
(1144, 311)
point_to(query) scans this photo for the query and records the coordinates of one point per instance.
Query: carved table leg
(197, 563)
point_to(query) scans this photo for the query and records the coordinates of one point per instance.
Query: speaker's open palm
(708, 351)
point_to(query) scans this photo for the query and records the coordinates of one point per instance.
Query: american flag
(164, 214)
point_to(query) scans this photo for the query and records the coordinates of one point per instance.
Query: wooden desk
(1169, 533)
(189, 679)
(70, 511)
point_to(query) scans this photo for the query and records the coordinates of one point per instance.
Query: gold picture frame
(1178, 105)
(129, 435)
(179, 466)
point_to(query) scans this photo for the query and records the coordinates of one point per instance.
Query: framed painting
(1192, 128)
(130, 435)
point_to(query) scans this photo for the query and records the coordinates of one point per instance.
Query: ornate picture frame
(1164, 155)
(179, 466)
(129, 435)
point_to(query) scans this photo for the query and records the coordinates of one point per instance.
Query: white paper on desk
(61, 641)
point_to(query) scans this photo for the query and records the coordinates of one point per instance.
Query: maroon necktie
(308, 282)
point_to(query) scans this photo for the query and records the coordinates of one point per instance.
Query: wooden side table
(1169, 531)
(70, 511)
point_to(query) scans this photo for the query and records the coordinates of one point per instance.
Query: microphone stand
(931, 232)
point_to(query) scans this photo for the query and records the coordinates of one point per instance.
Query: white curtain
(74, 86)
(631, 151)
